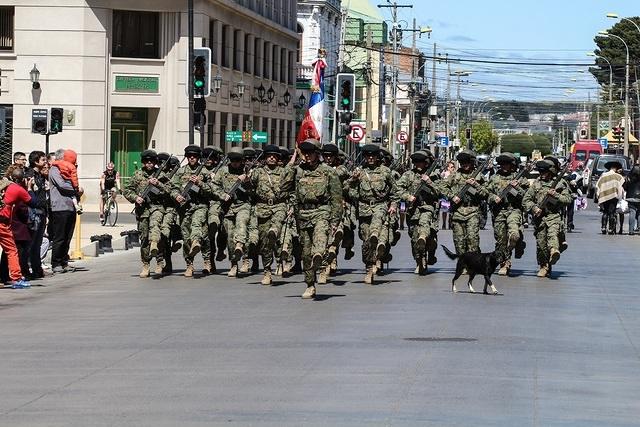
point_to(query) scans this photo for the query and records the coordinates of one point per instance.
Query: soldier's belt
(374, 202)
(272, 202)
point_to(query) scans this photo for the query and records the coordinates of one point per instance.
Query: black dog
(475, 263)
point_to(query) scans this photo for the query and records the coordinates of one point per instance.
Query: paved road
(104, 348)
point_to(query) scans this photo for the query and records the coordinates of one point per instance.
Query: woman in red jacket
(12, 194)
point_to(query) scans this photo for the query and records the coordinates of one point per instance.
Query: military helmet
(235, 153)
(330, 148)
(272, 149)
(208, 152)
(193, 150)
(249, 152)
(310, 145)
(371, 149)
(507, 157)
(163, 157)
(546, 166)
(149, 155)
(174, 161)
(419, 156)
(466, 156)
(385, 152)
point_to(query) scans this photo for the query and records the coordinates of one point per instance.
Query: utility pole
(447, 101)
(340, 66)
(412, 99)
(190, 68)
(434, 118)
(394, 73)
(369, 100)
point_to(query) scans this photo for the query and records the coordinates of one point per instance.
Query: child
(69, 170)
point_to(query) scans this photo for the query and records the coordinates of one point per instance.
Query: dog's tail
(449, 253)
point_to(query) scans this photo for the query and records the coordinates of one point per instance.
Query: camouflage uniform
(507, 215)
(236, 211)
(465, 219)
(169, 228)
(149, 214)
(193, 213)
(272, 189)
(548, 223)
(422, 216)
(375, 191)
(318, 207)
(214, 212)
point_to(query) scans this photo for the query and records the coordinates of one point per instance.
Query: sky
(518, 31)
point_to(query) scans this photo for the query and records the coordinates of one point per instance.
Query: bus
(582, 151)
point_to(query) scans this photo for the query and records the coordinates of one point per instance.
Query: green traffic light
(345, 101)
(198, 83)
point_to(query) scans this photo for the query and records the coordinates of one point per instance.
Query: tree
(517, 143)
(483, 138)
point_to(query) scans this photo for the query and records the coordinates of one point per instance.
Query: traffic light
(345, 92)
(56, 115)
(345, 123)
(617, 133)
(39, 121)
(467, 133)
(201, 72)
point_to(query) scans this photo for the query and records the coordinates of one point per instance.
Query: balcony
(304, 72)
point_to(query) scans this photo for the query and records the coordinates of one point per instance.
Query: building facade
(119, 69)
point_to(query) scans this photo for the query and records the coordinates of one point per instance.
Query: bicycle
(110, 208)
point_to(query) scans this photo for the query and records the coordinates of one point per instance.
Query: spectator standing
(632, 187)
(63, 213)
(11, 194)
(609, 191)
(20, 159)
(37, 171)
(19, 224)
(444, 204)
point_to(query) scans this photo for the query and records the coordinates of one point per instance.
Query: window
(290, 69)
(247, 57)
(213, 40)
(6, 27)
(237, 54)
(299, 49)
(266, 48)
(136, 34)
(225, 47)
(211, 128)
(283, 65)
(257, 56)
(274, 63)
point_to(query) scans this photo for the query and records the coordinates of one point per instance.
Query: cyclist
(109, 181)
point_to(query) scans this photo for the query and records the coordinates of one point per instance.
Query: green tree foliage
(483, 137)
(518, 110)
(613, 49)
(525, 144)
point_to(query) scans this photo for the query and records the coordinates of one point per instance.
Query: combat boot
(266, 280)
(145, 272)
(188, 272)
(244, 268)
(348, 253)
(238, 251)
(421, 243)
(159, 268)
(309, 293)
(233, 271)
(554, 256)
(322, 276)
(519, 249)
(544, 271)
(176, 247)
(368, 277)
(333, 267)
(220, 256)
(194, 248)
(286, 268)
(153, 249)
(396, 237)
(206, 270)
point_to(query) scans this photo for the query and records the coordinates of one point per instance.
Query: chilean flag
(311, 126)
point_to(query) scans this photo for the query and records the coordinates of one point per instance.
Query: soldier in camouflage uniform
(271, 186)
(392, 223)
(168, 226)
(284, 243)
(149, 211)
(236, 207)
(214, 211)
(318, 207)
(252, 254)
(547, 219)
(421, 194)
(507, 213)
(374, 190)
(192, 205)
(465, 219)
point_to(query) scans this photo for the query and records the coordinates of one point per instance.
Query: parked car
(596, 168)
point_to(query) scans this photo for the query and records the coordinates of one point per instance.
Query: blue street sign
(604, 142)
(444, 141)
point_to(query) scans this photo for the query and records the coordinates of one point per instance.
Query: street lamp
(217, 81)
(626, 90)
(34, 74)
(459, 73)
(610, 84)
(615, 16)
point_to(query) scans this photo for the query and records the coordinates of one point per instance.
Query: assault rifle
(510, 190)
(151, 189)
(423, 184)
(353, 162)
(236, 185)
(548, 199)
(468, 188)
(191, 186)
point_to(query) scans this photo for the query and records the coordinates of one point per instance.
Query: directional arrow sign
(604, 142)
(260, 137)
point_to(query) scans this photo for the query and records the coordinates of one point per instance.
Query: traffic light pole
(189, 77)
(46, 143)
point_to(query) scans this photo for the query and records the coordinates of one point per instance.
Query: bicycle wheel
(105, 211)
(113, 213)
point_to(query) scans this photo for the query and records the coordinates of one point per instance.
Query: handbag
(622, 206)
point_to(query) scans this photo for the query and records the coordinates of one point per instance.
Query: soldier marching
(301, 207)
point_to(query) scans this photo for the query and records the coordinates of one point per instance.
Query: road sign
(357, 133)
(233, 136)
(39, 120)
(604, 125)
(260, 137)
(604, 142)
(444, 141)
(403, 137)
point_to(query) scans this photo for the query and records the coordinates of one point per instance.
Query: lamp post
(459, 73)
(34, 74)
(626, 91)
(610, 87)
